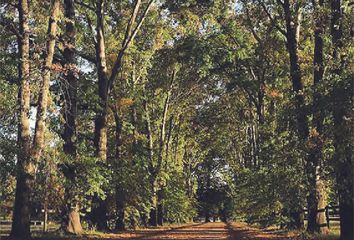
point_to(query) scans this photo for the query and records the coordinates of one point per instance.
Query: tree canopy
(123, 114)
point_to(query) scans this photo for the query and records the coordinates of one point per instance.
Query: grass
(334, 232)
(273, 232)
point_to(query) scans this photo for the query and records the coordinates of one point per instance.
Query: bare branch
(139, 24)
(131, 22)
(272, 19)
(125, 45)
(255, 35)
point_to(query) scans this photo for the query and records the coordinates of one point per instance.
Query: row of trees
(139, 112)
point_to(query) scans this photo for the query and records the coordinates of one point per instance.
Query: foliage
(202, 118)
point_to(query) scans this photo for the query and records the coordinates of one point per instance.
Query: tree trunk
(105, 82)
(162, 145)
(321, 220)
(153, 217)
(71, 217)
(45, 217)
(343, 115)
(160, 207)
(27, 157)
(105, 85)
(134, 118)
(102, 72)
(99, 212)
(316, 199)
(295, 72)
(25, 168)
(73, 221)
(292, 37)
(343, 159)
(207, 213)
(208, 187)
(152, 170)
(120, 226)
(38, 142)
(153, 221)
(70, 96)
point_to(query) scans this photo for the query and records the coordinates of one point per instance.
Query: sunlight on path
(196, 232)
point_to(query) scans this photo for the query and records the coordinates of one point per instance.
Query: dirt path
(242, 231)
(201, 231)
(197, 231)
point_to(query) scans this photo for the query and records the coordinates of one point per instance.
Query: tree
(151, 112)
(28, 155)
(71, 219)
(342, 115)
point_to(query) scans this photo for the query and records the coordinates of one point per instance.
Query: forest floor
(196, 231)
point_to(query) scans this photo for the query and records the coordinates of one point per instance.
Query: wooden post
(327, 215)
(45, 211)
(45, 221)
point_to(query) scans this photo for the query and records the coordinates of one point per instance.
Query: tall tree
(25, 168)
(343, 126)
(292, 13)
(28, 155)
(316, 198)
(71, 219)
(106, 83)
(105, 80)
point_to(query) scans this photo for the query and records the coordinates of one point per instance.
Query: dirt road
(197, 231)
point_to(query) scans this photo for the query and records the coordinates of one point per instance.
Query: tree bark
(134, 116)
(120, 225)
(73, 222)
(153, 217)
(105, 81)
(99, 212)
(152, 170)
(292, 37)
(71, 216)
(100, 139)
(29, 156)
(105, 86)
(153, 220)
(160, 207)
(38, 143)
(316, 199)
(157, 190)
(207, 206)
(25, 168)
(343, 115)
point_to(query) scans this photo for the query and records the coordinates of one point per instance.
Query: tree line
(120, 114)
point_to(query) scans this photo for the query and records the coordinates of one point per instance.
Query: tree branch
(118, 63)
(272, 19)
(86, 57)
(8, 24)
(85, 5)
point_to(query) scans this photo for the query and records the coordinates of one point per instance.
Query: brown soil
(242, 231)
(197, 231)
(190, 232)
